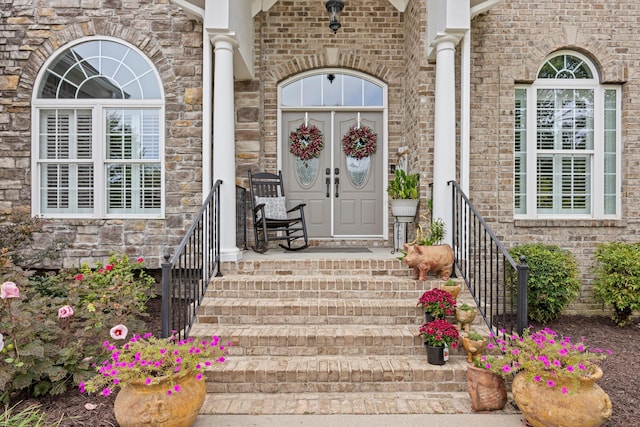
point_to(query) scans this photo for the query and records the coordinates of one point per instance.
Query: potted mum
(438, 336)
(436, 304)
(151, 371)
(555, 379)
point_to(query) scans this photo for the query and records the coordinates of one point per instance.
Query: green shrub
(46, 352)
(617, 278)
(553, 279)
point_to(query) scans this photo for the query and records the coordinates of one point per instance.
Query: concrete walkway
(420, 420)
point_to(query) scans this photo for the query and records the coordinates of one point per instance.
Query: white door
(343, 194)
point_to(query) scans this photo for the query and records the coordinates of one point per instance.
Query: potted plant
(555, 379)
(465, 315)
(151, 371)
(436, 304)
(453, 287)
(474, 344)
(438, 335)
(403, 191)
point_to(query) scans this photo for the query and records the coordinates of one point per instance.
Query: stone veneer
(32, 31)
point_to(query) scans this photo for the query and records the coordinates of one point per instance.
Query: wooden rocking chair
(271, 219)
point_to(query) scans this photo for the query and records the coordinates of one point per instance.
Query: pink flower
(65, 311)
(564, 390)
(108, 267)
(106, 392)
(79, 277)
(551, 383)
(9, 290)
(140, 260)
(119, 332)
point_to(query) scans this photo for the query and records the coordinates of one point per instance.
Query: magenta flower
(551, 383)
(564, 390)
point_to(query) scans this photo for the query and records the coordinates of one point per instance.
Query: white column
(444, 150)
(224, 157)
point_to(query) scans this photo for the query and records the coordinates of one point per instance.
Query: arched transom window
(98, 142)
(567, 142)
(332, 90)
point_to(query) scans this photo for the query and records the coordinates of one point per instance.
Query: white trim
(596, 154)
(97, 106)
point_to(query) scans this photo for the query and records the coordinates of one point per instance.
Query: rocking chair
(271, 219)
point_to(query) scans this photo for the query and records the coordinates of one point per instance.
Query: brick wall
(31, 31)
(509, 45)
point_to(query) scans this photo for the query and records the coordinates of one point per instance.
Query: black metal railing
(497, 283)
(241, 217)
(186, 276)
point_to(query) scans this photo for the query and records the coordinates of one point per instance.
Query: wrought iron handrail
(497, 283)
(241, 217)
(186, 276)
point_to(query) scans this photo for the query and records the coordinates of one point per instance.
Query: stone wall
(33, 31)
(510, 43)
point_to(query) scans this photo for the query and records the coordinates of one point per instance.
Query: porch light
(334, 8)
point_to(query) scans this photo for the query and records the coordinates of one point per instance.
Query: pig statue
(423, 259)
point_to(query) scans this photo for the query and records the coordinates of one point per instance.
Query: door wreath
(306, 142)
(359, 142)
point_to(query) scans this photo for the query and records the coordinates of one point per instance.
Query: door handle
(328, 182)
(337, 185)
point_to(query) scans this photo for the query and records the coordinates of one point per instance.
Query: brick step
(329, 374)
(317, 340)
(318, 267)
(340, 403)
(260, 286)
(308, 311)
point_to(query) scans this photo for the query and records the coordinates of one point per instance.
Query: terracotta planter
(464, 319)
(474, 348)
(544, 406)
(487, 390)
(435, 355)
(453, 290)
(140, 405)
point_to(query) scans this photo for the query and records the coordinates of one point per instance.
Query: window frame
(98, 108)
(596, 154)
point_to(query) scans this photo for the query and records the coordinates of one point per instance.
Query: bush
(58, 322)
(617, 278)
(553, 279)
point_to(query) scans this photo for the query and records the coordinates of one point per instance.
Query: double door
(343, 195)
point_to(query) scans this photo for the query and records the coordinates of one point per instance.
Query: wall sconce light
(334, 8)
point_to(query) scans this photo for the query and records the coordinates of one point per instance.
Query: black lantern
(334, 7)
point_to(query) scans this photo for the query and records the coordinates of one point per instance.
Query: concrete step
(335, 403)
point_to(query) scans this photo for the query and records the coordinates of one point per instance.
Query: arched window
(332, 90)
(567, 142)
(98, 140)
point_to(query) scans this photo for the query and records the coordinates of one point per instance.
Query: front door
(344, 195)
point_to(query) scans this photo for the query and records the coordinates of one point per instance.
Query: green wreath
(359, 142)
(306, 142)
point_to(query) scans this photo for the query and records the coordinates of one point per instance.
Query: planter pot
(544, 406)
(464, 319)
(453, 290)
(487, 390)
(404, 209)
(474, 348)
(435, 355)
(140, 405)
(428, 317)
